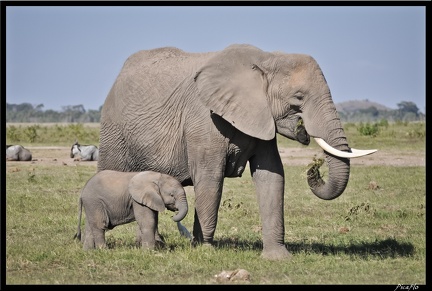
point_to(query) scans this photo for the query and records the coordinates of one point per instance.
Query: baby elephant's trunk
(182, 206)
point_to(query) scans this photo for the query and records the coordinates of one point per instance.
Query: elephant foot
(196, 243)
(278, 253)
(148, 246)
(156, 245)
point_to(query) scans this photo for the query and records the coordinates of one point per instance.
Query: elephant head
(75, 149)
(260, 93)
(157, 191)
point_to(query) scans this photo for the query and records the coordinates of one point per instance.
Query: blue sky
(59, 56)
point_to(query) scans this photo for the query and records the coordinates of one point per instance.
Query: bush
(368, 129)
(383, 123)
(31, 132)
(418, 132)
(13, 134)
(58, 134)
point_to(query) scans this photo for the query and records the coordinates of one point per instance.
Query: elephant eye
(299, 96)
(297, 101)
(296, 108)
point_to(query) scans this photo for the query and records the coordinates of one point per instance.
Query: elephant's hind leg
(95, 228)
(99, 238)
(88, 240)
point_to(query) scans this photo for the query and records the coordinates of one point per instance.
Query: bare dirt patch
(304, 156)
(290, 156)
(50, 155)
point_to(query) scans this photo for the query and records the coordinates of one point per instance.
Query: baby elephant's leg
(88, 240)
(99, 237)
(147, 220)
(159, 240)
(96, 223)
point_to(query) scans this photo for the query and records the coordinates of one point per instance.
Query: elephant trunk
(339, 169)
(338, 155)
(335, 146)
(182, 206)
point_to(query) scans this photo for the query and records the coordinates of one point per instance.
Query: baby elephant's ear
(145, 192)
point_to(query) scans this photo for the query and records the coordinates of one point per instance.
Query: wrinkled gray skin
(200, 117)
(113, 198)
(84, 152)
(17, 153)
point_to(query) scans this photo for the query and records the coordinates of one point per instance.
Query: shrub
(31, 132)
(368, 129)
(13, 134)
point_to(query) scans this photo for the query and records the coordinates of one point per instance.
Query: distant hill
(356, 105)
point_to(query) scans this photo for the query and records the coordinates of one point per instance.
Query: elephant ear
(145, 192)
(234, 87)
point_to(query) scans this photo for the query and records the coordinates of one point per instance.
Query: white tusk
(354, 153)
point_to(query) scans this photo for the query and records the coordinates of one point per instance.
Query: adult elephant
(200, 117)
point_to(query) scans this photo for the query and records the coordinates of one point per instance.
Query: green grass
(62, 134)
(395, 136)
(363, 237)
(366, 236)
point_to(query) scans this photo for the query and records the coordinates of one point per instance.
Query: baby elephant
(112, 198)
(17, 153)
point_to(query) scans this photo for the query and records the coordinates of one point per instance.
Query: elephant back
(153, 71)
(147, 99)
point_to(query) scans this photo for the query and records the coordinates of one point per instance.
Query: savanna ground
(374, 233)
(290, 154)
(58, 155)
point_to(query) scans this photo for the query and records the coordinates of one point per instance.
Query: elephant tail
(78, 233)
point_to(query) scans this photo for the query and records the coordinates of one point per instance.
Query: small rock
(238, 275)
(343, 230)
(373, 185)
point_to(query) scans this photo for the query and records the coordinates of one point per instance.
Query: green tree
(408, 106)
(73, 112)
(372, 111)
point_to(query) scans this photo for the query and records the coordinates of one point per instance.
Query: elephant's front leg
(208, 186)
(268, 176)
(147, 220)
(159, 240)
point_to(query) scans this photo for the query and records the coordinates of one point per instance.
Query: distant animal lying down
(84, 152)
(17, 153)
